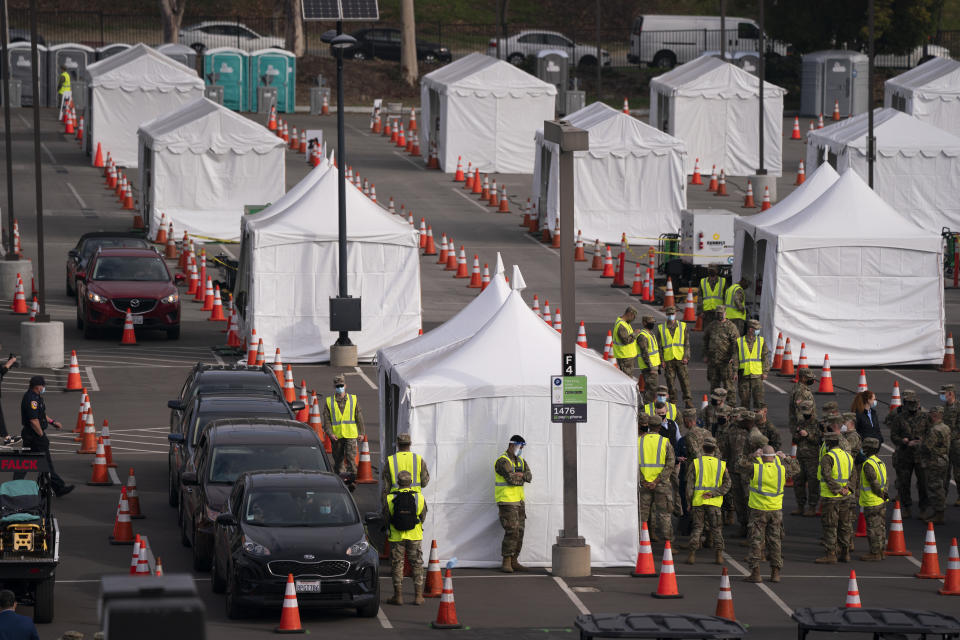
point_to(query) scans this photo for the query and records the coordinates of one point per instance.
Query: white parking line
(418, 165)
(911, 381)
(114, 478)
(577, 602)
(47, 151)
(83, 205)
(767, 590)
(460, 193)
(775, 387)
(382, 618)
(92, 379)
(365, 378)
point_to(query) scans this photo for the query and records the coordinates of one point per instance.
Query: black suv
(385, 44)
(302, 523)
(228, 448)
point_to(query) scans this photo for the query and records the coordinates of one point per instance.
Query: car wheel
(217, 583)
(358, 55)
(516, 59)
(664, 60)
(173, 491)
(184, 538)
(198, 47)
(173, 334)
(370, 610)
(587, 62)
(234, 610)
(43, 605)
(201, 562)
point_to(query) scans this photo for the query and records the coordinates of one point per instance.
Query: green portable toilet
(227, 67)
(281, 68)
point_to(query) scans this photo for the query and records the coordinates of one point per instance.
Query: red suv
(121, 279)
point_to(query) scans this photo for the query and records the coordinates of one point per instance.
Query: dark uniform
(800, 392)
(32, 407)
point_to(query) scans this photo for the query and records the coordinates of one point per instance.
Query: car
(203, 410)
(305, 524)
(212, 34)
(385, 44)
(131, 278)
(23, 35)
(87, 245)
(228, 448)
(528, 43)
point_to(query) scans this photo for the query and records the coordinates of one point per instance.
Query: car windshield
(227, 462)
(91, 245)
(274, 410)
(298, 507)
(131, 268)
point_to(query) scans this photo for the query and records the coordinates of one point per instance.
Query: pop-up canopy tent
(631, 180)
(461, 405)
(484, 110)
(199, 166)
(852, 278)
(917, 169)
(129, 88)
(288, 271)
(929, 92)
(703, 101)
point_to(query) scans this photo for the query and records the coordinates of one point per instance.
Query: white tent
(631, 180)
(852, 278)
(483, 110)
(712, 106)
(917, 169)
(129, 88)
(199, 166)
(288, 271)
(929, 92)
(462, 404)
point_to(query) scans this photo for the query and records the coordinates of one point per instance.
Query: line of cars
(257, 501)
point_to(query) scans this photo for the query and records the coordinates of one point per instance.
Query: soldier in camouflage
(935, 458)
(854, 443)
(836, 487)
(806, 435)
(714, 415)
(693, 434)
(648, 358)
(674, 341)
(801, 391)
(720, 347)
(511, 472)
(951, 418)
(736, 445)
(708, 480)
(406, 543)
(752, 363)
(766, 427)
(873, 499)
(908, 425)
(654, 488)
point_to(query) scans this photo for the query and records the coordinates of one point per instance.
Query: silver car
(209, 35)
(528, 43)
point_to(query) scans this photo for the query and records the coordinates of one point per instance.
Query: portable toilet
(180, 52)
(227, 67)
(110, 49)
(274, 68)
(75, 57)
(834, 77)
(20, 65)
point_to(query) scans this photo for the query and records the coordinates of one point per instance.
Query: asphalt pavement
(130, 385)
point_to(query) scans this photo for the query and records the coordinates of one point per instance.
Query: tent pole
(762, 69)
(871, 140)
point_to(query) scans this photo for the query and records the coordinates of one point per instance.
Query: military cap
(720, 307)
(753, 323)
(748, 415)
(806, 374)
(946, 387)
(807, 405)
(909, 394)
(403, 438)
(831, 436)
(871, 443)
(937, 409)
(669, 310)
(631, 309)
(719, 393)
(662, 388)
(831, 406)
(848, 415)
(339, 379)
(404, 479)
(757, 439)
(648, 320)
(710, 440)
(834, 419)
(689, 413)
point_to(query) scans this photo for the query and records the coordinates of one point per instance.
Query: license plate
(136, 319)
(308, 586)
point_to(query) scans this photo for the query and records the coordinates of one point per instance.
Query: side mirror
(372, 518)
(73, 253)
(188, 478)
(176, 438)
(297, 405)
(179, 277)
(81, 274)
(226, 520)
(176, 405)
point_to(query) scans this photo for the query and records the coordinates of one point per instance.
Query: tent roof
(203, 125)
(896, 132)
(710, 77)
(614, 132)
(935, 77)
(482, 75)
(513, 355)
(803, 196)
(850, 214)
(309, 214)
(142, 68)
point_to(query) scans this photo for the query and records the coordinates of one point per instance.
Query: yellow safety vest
(413, 534)
(867, 497)
(650, 410)
(766, 485)
(503, 491)
(751, 362)
(673, 343)
(621, 350)
(651, 455)
(343, 424)
(404, 461)
(732, 313)
(653, 352)
(709, 476)
(66, 83)
(842, 466)
(711, 296)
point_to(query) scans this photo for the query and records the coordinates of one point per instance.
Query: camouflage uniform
(852, 443)
(706, 517)
(710, 317)
(401, 549)
(835, 517)
(695, 437)
(951, 418)
(766, 527)
(911, 427)
(750, 387)
(649, 375)
(876, 515)
(386, 480)
(345, 450)
(800, 392)
(659, 500)
(934, 456)
(806, 487)
(713, 413)
(735, 445)
(720, 346)
(625, 337)
(768, 429)
(513, 515)
(675, 371)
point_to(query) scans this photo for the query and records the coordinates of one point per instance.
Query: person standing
(343, 424)
(656, 461)
(735, 303)
(908, 424)
(14, 626)
(403, 460)
(806, 435)
(694, 435)
(720, 347)
(33, 416)
(5, 436)
(766, 427)
(753, 363)
(714, 415)
(935, 459)
(406, 512)
(873, 498)
(648, 359)
(867, 423)
(64, 92)
(625, 341)
(675, 353)
(661, 398)
(767, 471)
(951, 418)
(707, 481)
(712, 289)
(736, 446)
(800, 392)
(510, 473)
(836, 484)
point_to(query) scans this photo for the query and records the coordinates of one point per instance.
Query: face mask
(807, 416)
(713, 402)
(943, 397)
(325, 509)
(43, 390)
(755, 332)
(912, 408)
(661, 398)
(339, 389)
(873, 402)
(671, 317)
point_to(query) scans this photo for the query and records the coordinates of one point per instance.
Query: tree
(296, 43)
(408, 43)
(172, 11)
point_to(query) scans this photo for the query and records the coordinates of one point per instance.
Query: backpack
(404, 516)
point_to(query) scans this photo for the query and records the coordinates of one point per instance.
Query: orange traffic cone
(485, 189)
(74, 383)
(667, 585)
(725, 598)
(136, 555)
(820, 121)
(713, 184)
(626, 106)
(161, 230)
(504, 204)
(98, 157)
(795, 135)
(696, 178)
(778, 354)
(949, 358)
(302, 147)
(133, 498)
(475, 279)
(107, 447)
(582, 336)
(423, 233)
(272, 123)
(289, 391)
(862, 381)
(100, 478)
(951, 585)
(826, 378)
(765, 203)
(434, 582)
(597, 264)
(143, 567)
(170, 251)
(578, 253)
(128, 205)
(34, 310)
(547, 316)
(836, 110)
(786, 367)
(802, 364)
(82, 414)
(208, 296)
(557, 321)
(458, 176)
(365, 468)
(853, 591)
(801, 176)
(930, 566)
(668, 298)
(704, 402)
(442, 258)
(122, 528)
(461, 265)
(478, 184)
(494, 199)
(608, 271)
(19, 298)
(861, 531)
(431, 248)
(216, 312)
(233, 339)
(618, 278)
(303, 415)
(748, 202)
(252, 348)
(447, 614)
(608, 346)
(689, 310)
(637, 288)
(895, 396)
(722, 185)
(645, 567)
(471, 176)
(536, 307)
(290, 613)
(451, 256)
(896, 545)
(485, 282)
(278, 367)
(88, 439)
(159, 570)
(129, 337)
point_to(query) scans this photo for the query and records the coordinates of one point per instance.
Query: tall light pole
(761, 70)
(8, 143)
(871, 139)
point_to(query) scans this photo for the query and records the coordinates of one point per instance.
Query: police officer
(33, 416)
(405, 536)
(343, 424)
(403, 460)
(510, 473)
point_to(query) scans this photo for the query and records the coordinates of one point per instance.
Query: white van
(666, 41)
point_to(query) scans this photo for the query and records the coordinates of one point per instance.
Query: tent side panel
(517, 120)
(700, 124)
(468, 126)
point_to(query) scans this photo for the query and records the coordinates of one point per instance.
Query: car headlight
(170, 299)
(444, 50)
(358, 548)
(93, 297)
(211, 514)
(254, 548)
